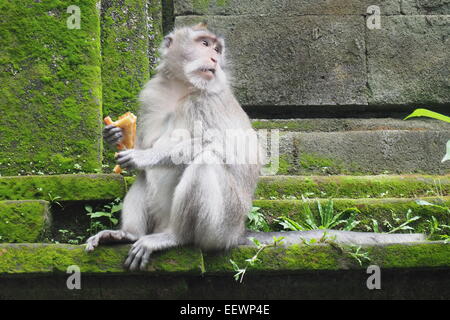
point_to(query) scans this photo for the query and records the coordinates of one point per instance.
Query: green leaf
(447, 155)
(429, 114)
(100, 214)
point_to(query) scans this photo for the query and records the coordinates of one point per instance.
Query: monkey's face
(196, 56)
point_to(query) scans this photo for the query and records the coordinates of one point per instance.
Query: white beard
(215, 85)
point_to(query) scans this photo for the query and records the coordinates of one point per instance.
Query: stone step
(381, 186)
(28, 221)
(31, 220)
(24, 221)
(394, 211)
(363, 152)
(69, 187)
(326, 270)
(350, 124)
(107, 187)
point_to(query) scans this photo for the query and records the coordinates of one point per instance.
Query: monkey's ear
(201, 26)
(168, 42)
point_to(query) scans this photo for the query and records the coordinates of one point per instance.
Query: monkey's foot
(109, 236)
(139, 255)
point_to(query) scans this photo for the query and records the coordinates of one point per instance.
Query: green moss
(313, 163)
(380, 210)
(65, 187)
(283, 125)
(328, 257)
(125, 64)
(295, 257)
(23, 221)
(129, 181)
(131, 34)
(411, 256)
(201, 6)
(284, 165)
(51, 88)
(40, 258)
(222, 3)
(409, 186)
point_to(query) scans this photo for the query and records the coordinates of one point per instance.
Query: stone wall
(310, 53)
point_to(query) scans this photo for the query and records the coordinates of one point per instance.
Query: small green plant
(435, 228)
(324, 239)
(358, 254)
(354, 252)
(256, 221)
(434, 115)
(54, 199)
(108, 213)
(329, 218)
(70, 237)
(240, 272)
(403, 226)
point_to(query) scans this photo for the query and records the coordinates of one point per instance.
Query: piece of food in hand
(127, 122)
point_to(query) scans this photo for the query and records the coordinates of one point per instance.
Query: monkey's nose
(213, 60)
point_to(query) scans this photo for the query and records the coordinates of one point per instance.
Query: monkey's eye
(205, 43)
(217, 49)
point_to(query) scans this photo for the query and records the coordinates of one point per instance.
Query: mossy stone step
(76, 224)
(82, 187)
(340, 186)
(417, 270)
(394, 211)
(48, 258)
(63, 187)
(24, 221)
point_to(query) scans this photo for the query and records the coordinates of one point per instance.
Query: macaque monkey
(192, 186)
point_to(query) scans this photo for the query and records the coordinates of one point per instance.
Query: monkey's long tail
(343, 237)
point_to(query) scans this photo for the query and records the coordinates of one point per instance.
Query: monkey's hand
(112, 134)
(109, 236)
(136, 159)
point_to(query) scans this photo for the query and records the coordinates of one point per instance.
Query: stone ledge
(349, 124)
(370, 209)
(363, 152)
(55, 258)
(50, 258)
(382, 186)
(329, 257)
(110, 186)
(65, 187)
(415, 271)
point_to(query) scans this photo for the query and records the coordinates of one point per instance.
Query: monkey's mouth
(210, 71)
